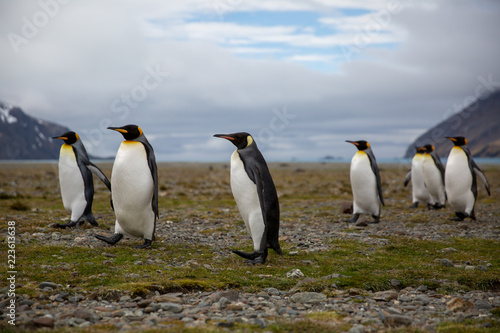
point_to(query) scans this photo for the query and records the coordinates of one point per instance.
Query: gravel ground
(361, 310)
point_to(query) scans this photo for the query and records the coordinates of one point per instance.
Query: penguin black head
(361, 144)
(428, 148)
(240, 140)
(129, 132)
(69, 138)
(421, 150)
(458, 140)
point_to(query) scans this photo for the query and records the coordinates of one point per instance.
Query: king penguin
(134, 179)
(419, 192)
(460, 179)
(255, 195)
(365, 182)
(75, 179)
(433, 171)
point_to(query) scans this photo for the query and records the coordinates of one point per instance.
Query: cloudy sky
(300, 76)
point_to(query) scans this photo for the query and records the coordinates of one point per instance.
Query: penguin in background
(460, 179)
(255, 195)
(433, 171)
(75, 180)
(365, 183)
(134, 179)
(420, 193)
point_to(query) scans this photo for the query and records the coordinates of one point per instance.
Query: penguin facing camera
(419, 191)
(460, 179)
(433, 171)
(75, 180)
(365, 183)
(134, 179)
(255, 195)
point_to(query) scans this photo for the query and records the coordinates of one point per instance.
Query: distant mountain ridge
(479, 123)
(23, 137)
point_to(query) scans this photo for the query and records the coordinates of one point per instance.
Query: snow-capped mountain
(23, 137)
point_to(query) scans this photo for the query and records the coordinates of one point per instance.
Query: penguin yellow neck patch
(249, 140)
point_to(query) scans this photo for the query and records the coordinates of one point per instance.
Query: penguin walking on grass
(365, 183)
(433, 171)
(255, 195)
(134, 179)
(75, 179)
(460, 179)
(419, 191)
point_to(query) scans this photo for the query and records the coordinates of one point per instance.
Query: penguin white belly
(71, 183)
(458, 181)
(246, 197)
(433, 181)
(419, 191)
(364, 186)
(132, 191)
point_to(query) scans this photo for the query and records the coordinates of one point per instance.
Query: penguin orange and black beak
(224, 136)
(60, 137)
(118, 129)
(353, 142)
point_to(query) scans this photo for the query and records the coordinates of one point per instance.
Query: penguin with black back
(460, 179)
(433, 171)
(255, 195)
(365, 183)
(419, 192)
(134, 180)
(75, 180)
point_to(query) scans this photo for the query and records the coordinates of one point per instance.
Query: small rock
(457, 304)
(144, 303)
(482, 268)
(386, 295)
(482, 305)
(394, 320)
(235, 306)
(308, 297)
(295, 273)
(44, 322)
(470, 268)
(446, 262)
(47, 284)
(171, 307)
(395, 283)
(357, 329)
(231, 295)
(422, 288)
(168, 298)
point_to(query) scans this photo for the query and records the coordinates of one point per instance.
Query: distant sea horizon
(479, 160)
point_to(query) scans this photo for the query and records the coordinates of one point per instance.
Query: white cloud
(91, 54)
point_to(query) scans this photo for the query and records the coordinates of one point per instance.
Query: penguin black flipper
(438, 163)
(479, 173)
(96, 171)
(407, 178)
(373, 164)
(154, 173)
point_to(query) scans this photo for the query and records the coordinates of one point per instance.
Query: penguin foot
(147, 244)
(415, 205)
(437, 206)
(353, 219)
(277, 250)
(376, 219)
(70, 224)
(253, 258)
(460, 216)
(112, 240)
